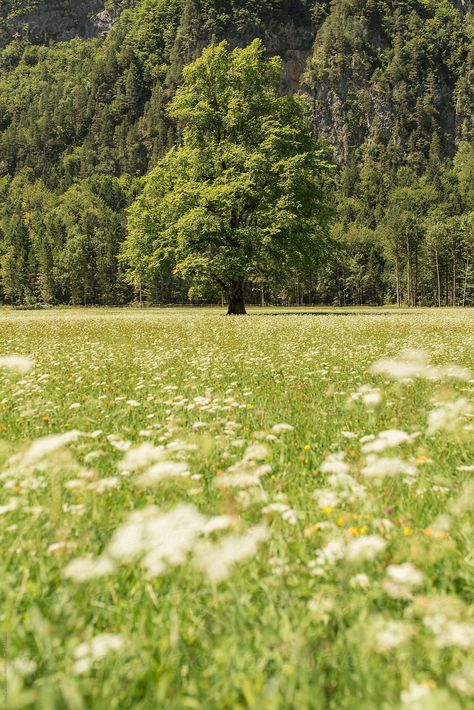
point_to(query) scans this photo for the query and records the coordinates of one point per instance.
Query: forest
(88, 96)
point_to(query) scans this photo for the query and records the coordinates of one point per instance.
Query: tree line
(91, 130)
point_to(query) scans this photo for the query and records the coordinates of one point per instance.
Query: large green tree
(243, 193)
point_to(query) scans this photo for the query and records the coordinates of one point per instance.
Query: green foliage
(61, 248)
(391, 86)
(394, 68)
(243, 193)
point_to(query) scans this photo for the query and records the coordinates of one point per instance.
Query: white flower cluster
(415, 364)
(360, 549)
(97, 648)
(247, 472)
(449, 417)
(371, 397)
(401, 580)
(158, 540)
(16, 363)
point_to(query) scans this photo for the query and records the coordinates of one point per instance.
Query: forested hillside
(84, 91)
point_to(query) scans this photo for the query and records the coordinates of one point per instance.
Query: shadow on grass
(331, 313)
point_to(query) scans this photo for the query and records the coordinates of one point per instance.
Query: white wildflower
(415, 363)
(387, 440)
(406, 574)
(216, 559)
(218, 522)
(283, 510)
(321, 608)
(359, 581)
(442, 523)
(455, 633)
(279, 565)
(237, 480)
(119, 444)
(366, 547)
(371, 397)
(378, 468)
(78, 509)
(462, 681)
(243, 474)
(464, 502)
(197, 426)
(449, 416)
(163, 470)
(46, 446)
(85, 568)
(74, 483)
(334, 463)
(346, 486)
(8, 507)
(326, 498)
(256, 452)
(141, 456)
(60, 547)
(281, 428)
(92, 455)
(158, 538)
(104, 484)
(331, 553)
(16, 363)
(415, 695)
(274, 508)
(90, 651)
(23, 666)
(384, 524)
(392, 634)
(179, 446)
(401, 580)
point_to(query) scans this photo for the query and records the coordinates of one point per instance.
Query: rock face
(58, 20)
(291, 41)
(375, 86)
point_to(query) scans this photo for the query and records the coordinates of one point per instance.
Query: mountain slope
(390, 84)
(45, 20)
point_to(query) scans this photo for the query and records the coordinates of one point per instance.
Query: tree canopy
(242, 194)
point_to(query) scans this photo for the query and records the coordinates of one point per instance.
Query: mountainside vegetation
(85, 123)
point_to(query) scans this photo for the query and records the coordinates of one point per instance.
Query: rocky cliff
(385, 79)
(58, 20)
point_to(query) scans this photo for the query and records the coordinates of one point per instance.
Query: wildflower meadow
(264, 512)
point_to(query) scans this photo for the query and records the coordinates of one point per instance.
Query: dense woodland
(84, 119)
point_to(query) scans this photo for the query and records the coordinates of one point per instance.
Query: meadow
(263, 512)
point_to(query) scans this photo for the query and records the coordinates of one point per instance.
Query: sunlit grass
(306, 619)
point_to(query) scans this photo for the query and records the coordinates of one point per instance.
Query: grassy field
(237, 513)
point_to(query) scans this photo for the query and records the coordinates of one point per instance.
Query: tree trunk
(415, 280)
(397, 277)
(454, 280)
(236, 299)
(408, 273)
(438, 280)
(466, 275)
